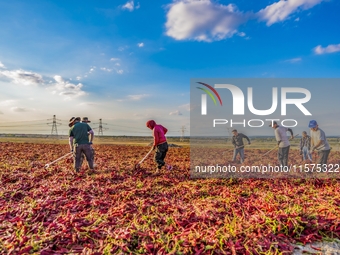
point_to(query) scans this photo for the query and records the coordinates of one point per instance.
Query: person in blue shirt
(319, 142)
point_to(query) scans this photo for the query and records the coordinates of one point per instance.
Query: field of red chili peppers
(120, 211)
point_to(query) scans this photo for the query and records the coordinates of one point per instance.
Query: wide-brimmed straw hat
(86, 119)
(71, 121)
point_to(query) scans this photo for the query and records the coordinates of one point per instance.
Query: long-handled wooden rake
(137, 166)
(48, 165)
(270, 151)
(277, 146)
(245, 145)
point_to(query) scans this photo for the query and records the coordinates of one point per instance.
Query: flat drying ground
(120, 210)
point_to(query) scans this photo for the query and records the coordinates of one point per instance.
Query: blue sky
(130, 61)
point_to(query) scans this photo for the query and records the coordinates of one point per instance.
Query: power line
(25, 125)
(132, 129)
(38, 126)
(24, 121)
(182, 134)
(54, 125)
(100, 128)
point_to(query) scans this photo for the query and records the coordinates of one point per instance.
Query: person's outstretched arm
(291, 133)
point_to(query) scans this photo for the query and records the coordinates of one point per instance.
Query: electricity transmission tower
(54, 124)
(100, 128)
(182, 133)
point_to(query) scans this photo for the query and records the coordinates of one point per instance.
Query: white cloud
(58, 85)
(202, 20)
(122, 48)
(92, 69)
(186, 107)
(78, 78)
(19, 109)
(241, 34)
(2, 65)
(117, 64)
(281, 10)
(130, 5)
(120, 71)
(175, 113)
(106, 69)
(23, 77)
(89, 104)
(133, 97)
(67, 89)
(59, 79)
(8, 102)
(114, 59)
(329, 49)
(293, 60)
(140, 45)
(137, 97)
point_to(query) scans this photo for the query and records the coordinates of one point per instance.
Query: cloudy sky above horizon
(129, 61)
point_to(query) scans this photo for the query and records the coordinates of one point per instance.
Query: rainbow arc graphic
(204, 97)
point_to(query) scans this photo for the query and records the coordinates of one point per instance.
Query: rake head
(139, 170)
(137, 167)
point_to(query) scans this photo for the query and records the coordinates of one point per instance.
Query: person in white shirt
(319, 142)
(283, 142)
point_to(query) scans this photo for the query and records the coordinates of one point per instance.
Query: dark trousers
(83, 157)
(161, 150)
(239, 151)
(78, 151)
(282, 155)
(323, 156)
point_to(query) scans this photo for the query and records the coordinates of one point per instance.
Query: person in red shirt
(159, 142)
